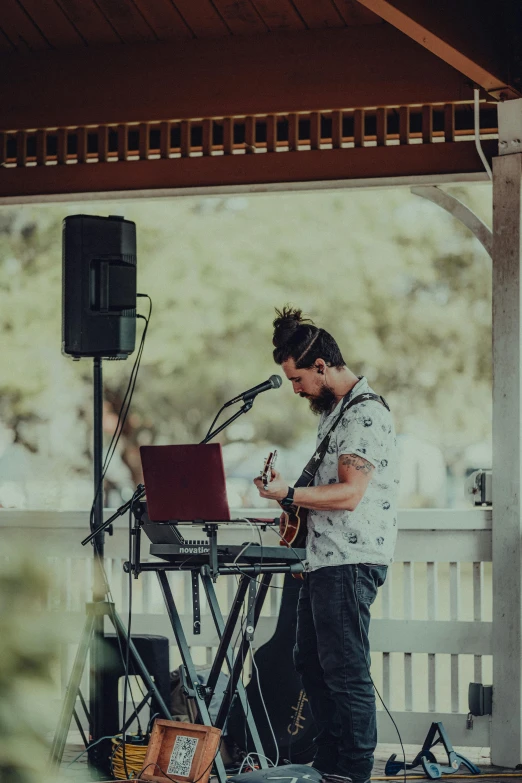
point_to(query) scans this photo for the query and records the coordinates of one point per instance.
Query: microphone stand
(140, 489)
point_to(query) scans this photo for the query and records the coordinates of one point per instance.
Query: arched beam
(459, 211)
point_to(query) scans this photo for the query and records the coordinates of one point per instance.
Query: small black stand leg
(252, 592)
(211, 531)
(196, 608)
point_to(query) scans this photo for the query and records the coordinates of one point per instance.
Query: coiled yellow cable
(134, 757)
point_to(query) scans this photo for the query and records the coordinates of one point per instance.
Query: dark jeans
(332, 655)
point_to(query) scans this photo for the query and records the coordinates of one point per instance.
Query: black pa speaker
(98, 287)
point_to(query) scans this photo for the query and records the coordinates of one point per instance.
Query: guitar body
(293, 528)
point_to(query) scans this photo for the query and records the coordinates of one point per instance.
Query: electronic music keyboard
(191, 553)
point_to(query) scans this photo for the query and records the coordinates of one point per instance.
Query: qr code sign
(182, 756)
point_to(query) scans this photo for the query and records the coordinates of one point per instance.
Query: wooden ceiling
(181, 93)
(34, 25)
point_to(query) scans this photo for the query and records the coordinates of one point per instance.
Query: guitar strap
(307, 476)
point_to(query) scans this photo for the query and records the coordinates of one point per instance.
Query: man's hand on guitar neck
(276, 489)
(354, 472)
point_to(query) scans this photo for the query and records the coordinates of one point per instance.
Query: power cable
(264, 706)
(478, 145)
(124, 407)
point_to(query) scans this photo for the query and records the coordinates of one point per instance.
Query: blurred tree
(403, 287)
(29, 645)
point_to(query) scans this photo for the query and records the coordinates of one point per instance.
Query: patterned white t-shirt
(369, 532)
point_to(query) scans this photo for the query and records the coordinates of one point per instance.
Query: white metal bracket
(509, 127)
(459, 211)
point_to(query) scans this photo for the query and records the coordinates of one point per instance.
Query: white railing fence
(431, 628)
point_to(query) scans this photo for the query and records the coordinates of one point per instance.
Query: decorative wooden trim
(185, 142)
(3, 148)
(335, 129)
(228, 135)
(123, 146)
(381, 129)
(250, 135)
(199, 141)
(271, 133)
(449, 122)
(315, 131)
(293, 133)
(358, 128)
(103, 144)
(81, 144)
(164, 139)
(404, 125)
(144, 141)
(207, 137)
(41, 141)
(62, 137)
(427, 124)
(21, 148)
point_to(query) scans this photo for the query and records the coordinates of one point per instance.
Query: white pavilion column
(506, 734)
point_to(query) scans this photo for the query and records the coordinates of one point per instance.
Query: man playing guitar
(347, 498)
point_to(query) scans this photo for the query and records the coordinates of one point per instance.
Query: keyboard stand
(202, 694)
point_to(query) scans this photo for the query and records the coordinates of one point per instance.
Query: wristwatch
(289, 499)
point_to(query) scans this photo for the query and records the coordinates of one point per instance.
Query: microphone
(274, 382)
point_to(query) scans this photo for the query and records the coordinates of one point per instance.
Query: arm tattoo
(358, 463)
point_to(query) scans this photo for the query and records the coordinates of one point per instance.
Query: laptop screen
(185, 482)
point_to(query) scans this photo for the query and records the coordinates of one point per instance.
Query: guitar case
(285, 700)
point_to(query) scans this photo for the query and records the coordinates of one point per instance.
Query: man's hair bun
(288, 321)
(297, 337)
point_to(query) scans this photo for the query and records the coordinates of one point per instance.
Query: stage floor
(77, 771)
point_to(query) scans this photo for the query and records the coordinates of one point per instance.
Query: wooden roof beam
(258, 172)
(464, 34)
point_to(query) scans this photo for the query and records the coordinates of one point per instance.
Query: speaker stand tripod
(98, 611)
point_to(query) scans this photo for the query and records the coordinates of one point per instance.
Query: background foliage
(405, 289)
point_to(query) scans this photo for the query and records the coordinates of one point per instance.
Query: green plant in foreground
(29, 643)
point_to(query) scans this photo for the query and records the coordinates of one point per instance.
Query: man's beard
(323, 402)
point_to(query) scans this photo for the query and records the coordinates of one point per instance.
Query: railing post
(506, 729)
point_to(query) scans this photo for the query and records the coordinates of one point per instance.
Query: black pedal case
(293, 773)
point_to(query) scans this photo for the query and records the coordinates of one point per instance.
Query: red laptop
(184, 483)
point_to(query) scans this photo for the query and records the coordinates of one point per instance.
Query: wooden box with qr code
(180, 752)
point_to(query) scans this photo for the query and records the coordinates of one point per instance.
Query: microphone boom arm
(244, 409)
